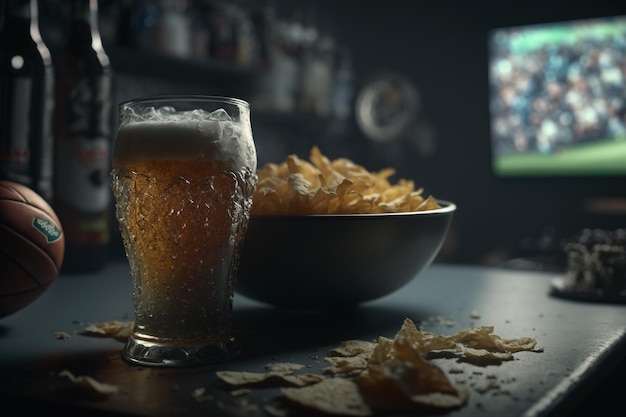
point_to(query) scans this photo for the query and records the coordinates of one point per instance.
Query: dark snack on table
(596, 264)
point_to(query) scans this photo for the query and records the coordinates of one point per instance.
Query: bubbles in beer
(195, 218)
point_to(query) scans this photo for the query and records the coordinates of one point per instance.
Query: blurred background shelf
(168, 67)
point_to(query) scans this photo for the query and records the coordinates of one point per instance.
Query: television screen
(557, 98)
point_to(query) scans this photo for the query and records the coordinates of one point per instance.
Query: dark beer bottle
(83, 141)
(26, 99)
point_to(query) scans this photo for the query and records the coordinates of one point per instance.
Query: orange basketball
(32, 246)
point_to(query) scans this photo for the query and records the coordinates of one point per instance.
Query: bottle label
(83, 158)
(15, 157)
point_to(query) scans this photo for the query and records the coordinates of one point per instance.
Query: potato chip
(353, 348)
(286, 368)
(401, 386)
(199, 395)
(113, 328)
(423, 342)
(350, 365)
(90, 384)
(337, 396)
(483, 338)
(386, 375)
(322, 186)
(486, 355)
(278, 375)
(399, 377)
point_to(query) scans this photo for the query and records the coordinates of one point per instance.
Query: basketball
(32, 246)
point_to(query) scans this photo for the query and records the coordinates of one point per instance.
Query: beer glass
(183, 175)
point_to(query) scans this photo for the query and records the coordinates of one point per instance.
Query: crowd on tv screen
(558, 95)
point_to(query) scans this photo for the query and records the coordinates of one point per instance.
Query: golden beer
(183, 188)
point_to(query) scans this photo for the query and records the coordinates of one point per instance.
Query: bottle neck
(84, 26)
(22, 16)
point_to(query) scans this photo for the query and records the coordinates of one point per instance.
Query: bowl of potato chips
(328, 234)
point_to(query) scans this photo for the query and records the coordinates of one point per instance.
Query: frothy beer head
(165, 133)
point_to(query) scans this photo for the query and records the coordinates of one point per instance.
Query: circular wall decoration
(386, 107)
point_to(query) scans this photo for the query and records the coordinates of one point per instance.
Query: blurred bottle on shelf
(223, 41)
(148, 14)
(127, 23)
(248, 44)
(279, 91)
(263, 18)
(200, 32)
(317, 75)
(26, 99)
(309, 60)
(343, 85)
(174, 31)
(83, 141)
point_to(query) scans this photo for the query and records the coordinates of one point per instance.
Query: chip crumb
(475, 314)
(351, 365)
(353, 348)
(90, 384)
(240, 392)
(113, 328)
(242, 407)
(198, 395)
(285, 368)
(276, 410)
(487, 385)
(62, 336)
(440, 320)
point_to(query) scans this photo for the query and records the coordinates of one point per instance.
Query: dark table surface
(581, 342)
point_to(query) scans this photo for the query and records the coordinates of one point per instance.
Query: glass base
(142, 352)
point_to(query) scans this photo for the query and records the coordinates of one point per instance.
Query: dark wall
(441, 46)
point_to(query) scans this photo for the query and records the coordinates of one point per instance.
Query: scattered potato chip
(241, 407)
(322, 186)
(483, 338)
(486, 355)
(388, 375)
(62, 335)
(399, 377)
(286, 368)
(198, 395)
(337, 396)
(113, 328)
(240, 392)
(267, 379)
(350, 365)
(353, 348)
(90, 384)
(276, 410)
